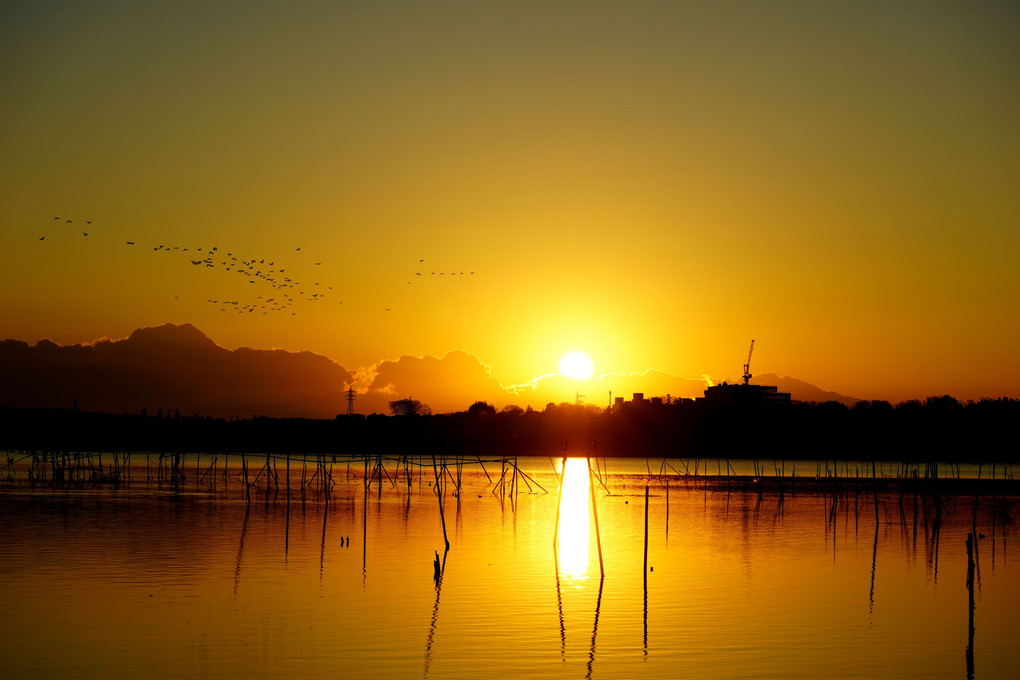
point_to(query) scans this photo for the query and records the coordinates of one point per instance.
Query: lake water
(145, 580)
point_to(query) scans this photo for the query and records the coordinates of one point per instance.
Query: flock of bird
(256, 270)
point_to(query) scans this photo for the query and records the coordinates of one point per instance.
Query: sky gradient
(651, 183)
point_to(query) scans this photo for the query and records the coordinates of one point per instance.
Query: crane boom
(747, 366)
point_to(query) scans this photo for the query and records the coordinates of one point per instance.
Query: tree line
(937, 428)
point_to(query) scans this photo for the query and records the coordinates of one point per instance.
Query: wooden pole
(970, 606)
(559, 504)
(645, 574)
(595, 514)
(667, 507)
(439, 495)
(646, 529)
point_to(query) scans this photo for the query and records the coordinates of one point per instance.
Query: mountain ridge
(176, 367)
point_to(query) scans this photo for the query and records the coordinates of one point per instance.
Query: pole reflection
(573, 530)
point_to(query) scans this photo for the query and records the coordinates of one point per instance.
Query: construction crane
(747, 366)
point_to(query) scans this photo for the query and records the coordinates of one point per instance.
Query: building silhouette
(744, 395)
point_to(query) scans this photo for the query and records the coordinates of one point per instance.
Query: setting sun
(576, 365)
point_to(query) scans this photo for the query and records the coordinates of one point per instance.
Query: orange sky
(653, 183)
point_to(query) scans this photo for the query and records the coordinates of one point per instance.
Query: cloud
(448, 383)
(457, 379)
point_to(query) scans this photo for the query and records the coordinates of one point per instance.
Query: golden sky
(653, 183)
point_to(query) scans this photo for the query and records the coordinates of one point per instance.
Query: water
(139, 580)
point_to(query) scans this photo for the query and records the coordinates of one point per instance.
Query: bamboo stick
(595, 514)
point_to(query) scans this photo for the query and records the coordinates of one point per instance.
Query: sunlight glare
(576, 365)
(572, 550)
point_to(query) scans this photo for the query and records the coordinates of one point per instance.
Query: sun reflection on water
(573, 533)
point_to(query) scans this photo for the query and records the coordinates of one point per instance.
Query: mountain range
(178, 369)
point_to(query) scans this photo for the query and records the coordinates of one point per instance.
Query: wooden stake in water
(439, 495)
(646, 529)
(667, 507)
(595, 514)
(556, 529)
(646, 573)
(970, 599)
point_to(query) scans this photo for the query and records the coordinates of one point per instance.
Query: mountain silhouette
(178, 368)
(800, 390)
(171, 368)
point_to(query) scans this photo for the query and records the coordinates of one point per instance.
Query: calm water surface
(143, 581)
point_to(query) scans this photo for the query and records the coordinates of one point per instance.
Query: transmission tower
(350, 401)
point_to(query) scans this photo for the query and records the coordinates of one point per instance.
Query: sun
(576, 365)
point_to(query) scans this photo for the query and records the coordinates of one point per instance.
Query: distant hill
(800, 390)
(170, 368)
(177, 368)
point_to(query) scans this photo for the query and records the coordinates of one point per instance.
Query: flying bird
(42, 238)
(84, 233)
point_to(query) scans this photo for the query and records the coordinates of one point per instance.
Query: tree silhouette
(410, 407)
(481, 408)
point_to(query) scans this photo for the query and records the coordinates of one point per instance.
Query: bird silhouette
(69, 221)
(84, 233)
(130, 243)
(42, 238)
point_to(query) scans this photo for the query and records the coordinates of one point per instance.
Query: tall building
(745, 395)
